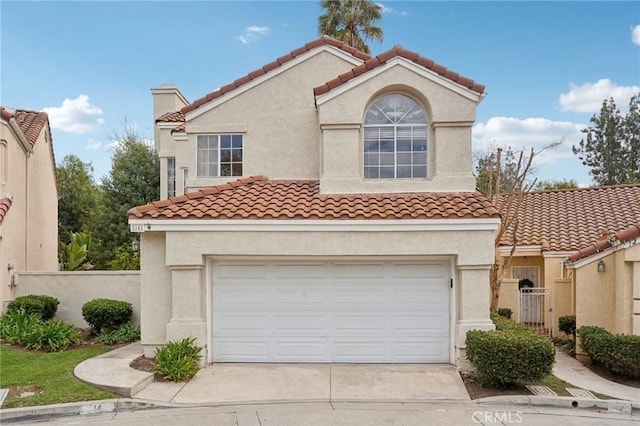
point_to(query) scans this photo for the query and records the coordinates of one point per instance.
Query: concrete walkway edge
(111, 371)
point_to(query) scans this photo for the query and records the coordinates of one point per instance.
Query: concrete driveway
(250, 383)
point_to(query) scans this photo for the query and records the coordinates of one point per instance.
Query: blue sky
(547, 66)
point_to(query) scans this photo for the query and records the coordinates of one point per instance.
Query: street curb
(76, 408)
(129, 404)
(611, 405)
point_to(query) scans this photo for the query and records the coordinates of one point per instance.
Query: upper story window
(171, 177)
(219, 155)
(395, 139)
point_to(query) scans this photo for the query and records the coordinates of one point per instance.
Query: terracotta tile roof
(5, 205)
(30, 122)
(260, 198)
(611, 240)
(324, 40)
(171, 117)
(396, 51)
(567, 220)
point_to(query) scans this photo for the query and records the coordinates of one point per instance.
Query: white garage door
(330, 311)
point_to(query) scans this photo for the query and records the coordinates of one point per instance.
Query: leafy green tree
(79, 196)
(351, 21)
(125, 259)
(134, 179)
(546, 185)
(73, 255)
(611, 147)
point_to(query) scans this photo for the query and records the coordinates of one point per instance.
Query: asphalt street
(351, 414)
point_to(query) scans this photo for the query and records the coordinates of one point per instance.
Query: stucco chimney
(167, 98)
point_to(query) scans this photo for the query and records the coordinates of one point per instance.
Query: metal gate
(535, 309)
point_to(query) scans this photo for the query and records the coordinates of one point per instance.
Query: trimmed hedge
(567, 324)
(618, 353)
(104, 315)
(42, 305)
(505, 312)
(511, 354)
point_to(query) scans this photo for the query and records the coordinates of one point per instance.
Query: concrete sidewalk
(571, 370)
(231, 383)
(242, 384)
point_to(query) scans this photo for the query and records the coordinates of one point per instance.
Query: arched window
(395, 139)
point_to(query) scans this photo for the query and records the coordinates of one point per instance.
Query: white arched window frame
(395, 139)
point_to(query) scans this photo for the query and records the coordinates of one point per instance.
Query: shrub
(504, 324)
(618, 353)
(16, 325)
(104, 315)
(178, 361)
(505, 312)
(124, 334)
(52, 336)
(567, 324)
(42, 305)
(513, 353)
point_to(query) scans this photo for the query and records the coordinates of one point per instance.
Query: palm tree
(351, 21)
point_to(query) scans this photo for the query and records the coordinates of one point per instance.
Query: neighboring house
(322, 209)
(28, 197)
(563, 237)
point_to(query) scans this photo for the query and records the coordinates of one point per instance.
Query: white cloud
(75, 115)
(589, 97)
(93, 144)
(524, 134)
(635, 35)
(387, 9)
(252, 33)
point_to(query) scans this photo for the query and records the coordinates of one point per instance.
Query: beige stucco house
(583, 246)
(319, 209)
(28, 197)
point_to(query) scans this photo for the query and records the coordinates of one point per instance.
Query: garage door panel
(430, 351)
(244, 271)
(432, 324)
(301, 295)
(300, 270)
(238, 351)
(356, 323)
(356, 296)
(418, 270)
(351, 351)
(301, 323)
(301, 350)
(359, 270)
(241, 295)
(233, 323)
(330, 311)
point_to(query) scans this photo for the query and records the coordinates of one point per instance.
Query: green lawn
(51, 373)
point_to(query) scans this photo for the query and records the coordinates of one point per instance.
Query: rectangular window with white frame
(220, 155)
(171, 177)
(530, 273)
(185, 177)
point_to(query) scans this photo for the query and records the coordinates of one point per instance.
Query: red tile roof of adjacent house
(384, 57)
(620, 237)
(567, 220)
(260, 198)
(5, 205)
(30, 122)
(369, 64)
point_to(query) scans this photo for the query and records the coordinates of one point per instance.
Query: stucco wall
(277, 118)
(29, 231)
(74, 289)
(174, 270)
(606, 299)
(450, 117)
(42, 208)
